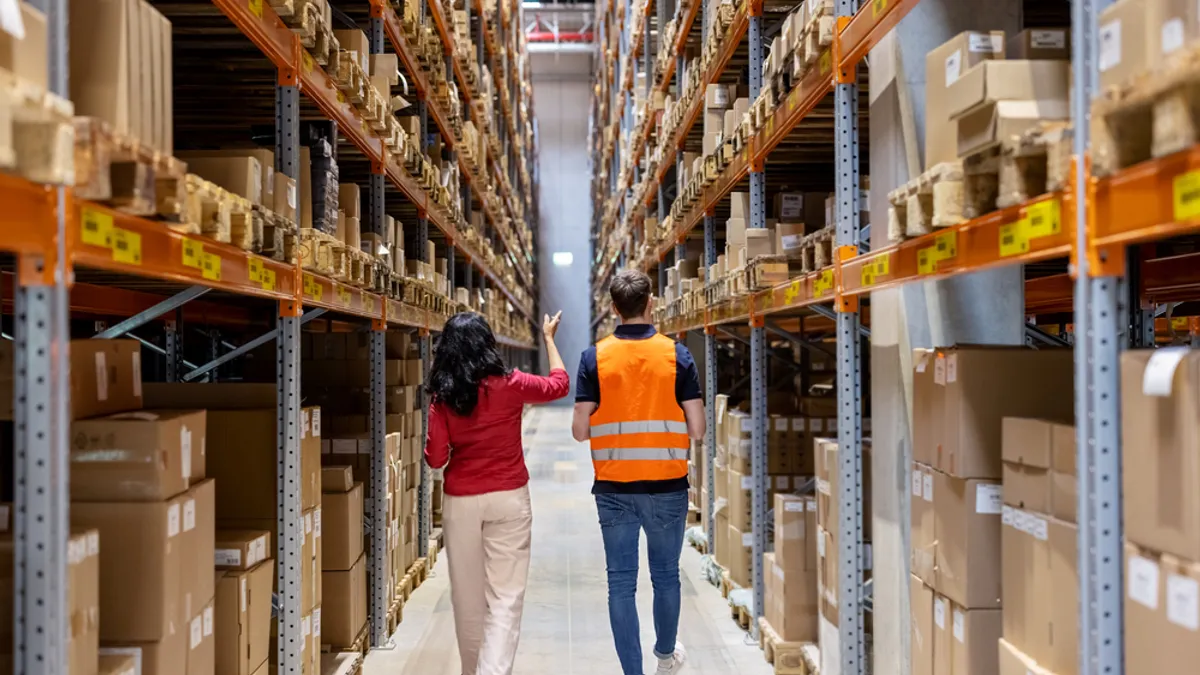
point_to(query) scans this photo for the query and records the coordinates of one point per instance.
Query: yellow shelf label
(1179, 323)
(256, 8)
(96, 227)
(210, 266)
(792, 292)
(868, 274)
(306, 60)
(313, 288)
(267, 279)
(926, 263)
(255, 270)
(770, 125)
(877, 7)
(826, 63)
(126, 246)
(945, 246)
(1187, 195)
(1014, 238)
(1044, 219)
(192, 253)
(823, 284)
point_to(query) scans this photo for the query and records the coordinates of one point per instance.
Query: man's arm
(581, 422)
(693, 413)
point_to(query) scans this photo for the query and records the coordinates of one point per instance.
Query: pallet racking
(1094, 224)
(74, 258)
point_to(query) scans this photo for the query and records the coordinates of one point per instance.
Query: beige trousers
(487, 545)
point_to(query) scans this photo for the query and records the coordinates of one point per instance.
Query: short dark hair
(630, 291)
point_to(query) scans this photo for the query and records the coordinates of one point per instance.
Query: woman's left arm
(437, 441)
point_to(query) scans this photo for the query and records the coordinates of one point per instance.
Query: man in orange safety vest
(638, 400)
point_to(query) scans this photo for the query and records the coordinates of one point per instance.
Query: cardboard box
(141, 569)
(924, 536)
(967, 557)
(243, 618)
(342, 523)
(760, 241)
(240, 175)
(739, 206)
(740, 554)
(168, 656)
(336, 479)
(1027, 487)
(285, 198)
(921, 605)
(1160, 394)
(1026, 441)
(795, 527)
(943, 66)
(27, 57)
(992, 123)
(198, 537)
(350, 200)
(83, 600)
(1063, 477)
(1064, 585)
(355, 41)
(717, 96)
(241, 549)
(202, 650)
(115, 664)
(1025, 577)
(106, 377)
(928, 406)
(974, 633)
(943, 641)
(740, 499)
(792, 606)
(136, 456)
(344, 612)
(1161, 611)
(101, 61)
(975, 388)
(1125, 34)
(1015, 662)
(1170, 25)
(1041, 44)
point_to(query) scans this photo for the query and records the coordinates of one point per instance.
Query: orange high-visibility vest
(638, 432)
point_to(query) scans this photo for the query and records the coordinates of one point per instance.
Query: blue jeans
(622, 517)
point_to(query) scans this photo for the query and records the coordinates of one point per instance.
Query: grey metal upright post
(758, 361)
(173, 338)
(1097, 399)
(377, 505)
(287, 375)
(710, 391)
(423, 489)
(851, 556)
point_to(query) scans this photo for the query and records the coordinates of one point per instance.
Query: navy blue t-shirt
(687, 388)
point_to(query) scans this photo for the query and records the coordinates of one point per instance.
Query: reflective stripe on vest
(640, 454)
(643, 427)
(638, 432)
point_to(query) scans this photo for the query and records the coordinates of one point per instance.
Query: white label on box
(922, 360)
(791, 241)
(303, 424)
(270, 173)
(291, 196)
(197, 632)
(189, 515)
(185, 451)
(308, 524)
(172, 520)
(1143, 581)
(985, 44)
(952, 368)
(137, 374)
(747, 482)
(916, 482)
(939, 370)
(1172, 35)
(317, 522)
(989, 499)
(721, 96)
(953, 67)
(316, 422)
(781, 424)
(10, 19)
(1110, 45)
(820, 541)
(1007, 515)
(242, 595)
(1160, 370)
(796, 506)
(93, 544)
(1048, 39)
(1038, 527)
(228, 557)
(958, 625)
(939, 613)
(823, 487)
(305, 627)
(745, 424)
(747, 539)
(1183, 609)
(208, 620)
(927, 487)
(101, 377)
(316, 622)
(260, 549)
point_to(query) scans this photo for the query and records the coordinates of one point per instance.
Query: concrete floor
(565, 630)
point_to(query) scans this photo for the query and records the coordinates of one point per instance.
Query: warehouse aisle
(566, 618)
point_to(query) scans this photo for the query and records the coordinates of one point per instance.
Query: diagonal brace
(253, 344)
(832, 316)
(147, 315)
(800, 342)
(738, 338)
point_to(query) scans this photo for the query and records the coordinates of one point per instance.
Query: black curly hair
(465, 355)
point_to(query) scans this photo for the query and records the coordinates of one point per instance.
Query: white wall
(561, 104)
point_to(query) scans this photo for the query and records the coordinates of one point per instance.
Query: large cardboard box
(1063, 491)
(977, 387)
(141, 567)
(202, 650)
(967, 556)
(27, 57)
(1125, 29)
(1015, 662)
(198, 540)
(1170, 25)
(1064, 585)
(994, 122)
(943, 642)
(943, 66)
(1160, 394)
(974, 633)
(1044, 44)
(83, 601)
(241, 549)
(1025, 577)
(792, 607)
(342, 525)
(1162, 614)
(243, 618)
(921, 604)
(136, 456)
(826, 450)
(100, 60)
(795, 532)
(116, 664)
(740, 500)
(168, 656)
(106, 377)
(740, 556)
(993, 81)
(344, 612)
(924, 531)
(927, 406)
(242, 176)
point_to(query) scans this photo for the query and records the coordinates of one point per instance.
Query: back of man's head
(630, 291)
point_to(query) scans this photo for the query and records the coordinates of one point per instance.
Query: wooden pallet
(36, 132)
(340, 663)
(1152, 115)
(727, 585)
(316, 251)
(360, 646)
(741, 616)
(1060, 154)
(279, 235)
(395, 615)
(118, 170)
(218, 214)
(787, 657)
(932, 200)
(766, 271)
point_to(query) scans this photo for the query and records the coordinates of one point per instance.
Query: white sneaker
(674, 664)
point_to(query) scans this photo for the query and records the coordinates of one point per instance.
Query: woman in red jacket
(475, 433)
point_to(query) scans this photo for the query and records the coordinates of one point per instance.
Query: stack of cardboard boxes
(336, 373)
(242, 459)
(960, 398)
(343, 560)
(1161, 432)
(828, 526)
(245, 579)
(790, 600)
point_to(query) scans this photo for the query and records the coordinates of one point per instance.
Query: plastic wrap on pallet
(742, 597)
